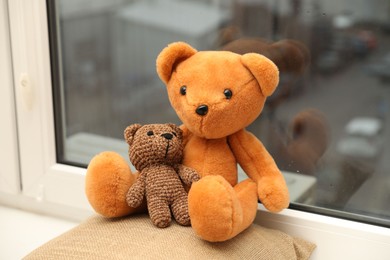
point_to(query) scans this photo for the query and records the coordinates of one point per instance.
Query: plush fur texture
(216, 94)
(156, 151)
(301, 147)
(216, 141)
(107, 182)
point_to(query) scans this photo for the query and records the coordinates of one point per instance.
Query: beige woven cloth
(135, 237)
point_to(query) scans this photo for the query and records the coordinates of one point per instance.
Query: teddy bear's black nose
(202, 110)
(167, 136)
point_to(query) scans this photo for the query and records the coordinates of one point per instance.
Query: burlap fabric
(135, 237)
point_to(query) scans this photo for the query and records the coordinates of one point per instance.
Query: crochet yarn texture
(156, 151)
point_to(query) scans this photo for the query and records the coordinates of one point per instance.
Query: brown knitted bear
(156, 151)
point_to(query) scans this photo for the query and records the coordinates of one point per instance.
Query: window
(84, 70)
(325, 125)
(31, 177)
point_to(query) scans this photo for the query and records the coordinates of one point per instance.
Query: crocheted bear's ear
(176, 129)
(130, 132)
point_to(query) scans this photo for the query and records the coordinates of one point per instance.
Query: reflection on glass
(327, 125)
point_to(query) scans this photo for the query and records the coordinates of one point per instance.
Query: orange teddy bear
(216, 94)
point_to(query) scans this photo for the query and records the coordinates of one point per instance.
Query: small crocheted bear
(156, 151)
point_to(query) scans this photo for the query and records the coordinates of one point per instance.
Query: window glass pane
(327, 124)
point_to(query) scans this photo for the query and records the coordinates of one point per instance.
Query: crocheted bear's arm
(187, 174)
(136, 192)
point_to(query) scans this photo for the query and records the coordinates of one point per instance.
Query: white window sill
(22, 232)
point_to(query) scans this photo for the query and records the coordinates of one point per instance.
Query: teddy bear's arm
(261, 167)
(187, 174)
(136, 192)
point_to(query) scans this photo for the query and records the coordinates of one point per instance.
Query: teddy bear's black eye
(183, 90)
(228, 93)
(149, 133)
(174, 134)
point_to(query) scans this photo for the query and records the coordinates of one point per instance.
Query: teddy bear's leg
(180, 209)
(159, 212)
(107, 181)
(218, 211)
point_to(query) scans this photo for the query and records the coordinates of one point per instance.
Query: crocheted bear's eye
(228, 93)
(149, 133)
(183, 90)
(174, 134)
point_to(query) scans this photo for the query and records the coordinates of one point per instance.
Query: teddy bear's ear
(264, 70)
(130, 132)
(177, 130)
(170, 57)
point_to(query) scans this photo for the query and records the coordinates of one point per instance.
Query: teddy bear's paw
(193, 178)
(273, 194)
(180, 210)
(187, 174)
(162, 221)
(134, 200)
(183, 219)
(216, 209)
(159, 212)
(107, 181)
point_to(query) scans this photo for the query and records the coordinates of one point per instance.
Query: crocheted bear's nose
(202, 110)
(167, 136)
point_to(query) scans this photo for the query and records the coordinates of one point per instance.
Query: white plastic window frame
(9, 172)
(48, 186)
(44, 185)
